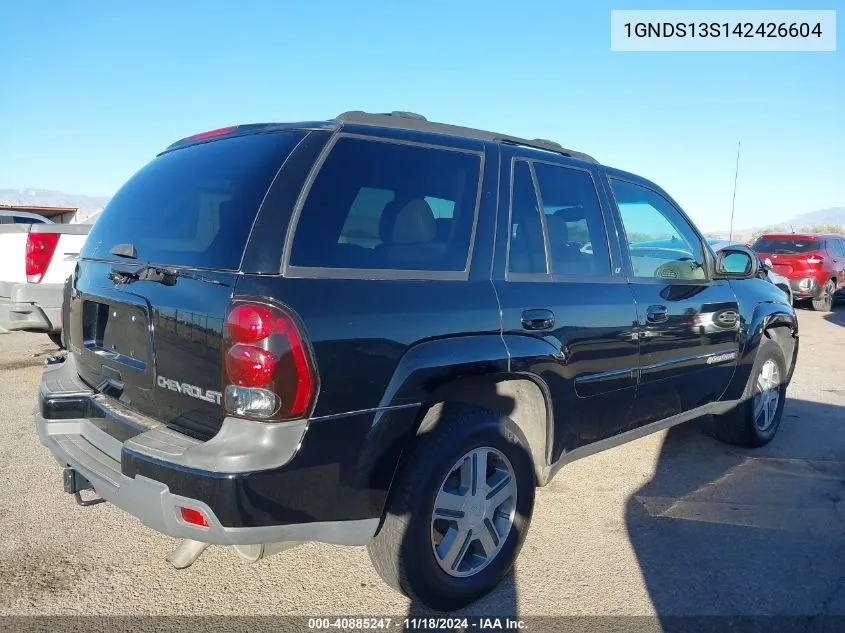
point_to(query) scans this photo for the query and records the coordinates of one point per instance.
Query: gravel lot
(673, 524)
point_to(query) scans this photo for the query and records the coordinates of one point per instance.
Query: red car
(813, 263)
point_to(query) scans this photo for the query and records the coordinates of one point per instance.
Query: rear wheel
(459, 511)
(756, 419)
(824, 303)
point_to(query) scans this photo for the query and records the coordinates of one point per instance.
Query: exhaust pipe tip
(186, 553)
(255, 552)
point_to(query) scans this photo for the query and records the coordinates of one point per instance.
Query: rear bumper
(33, 307)
(805, 288)
(328, 488)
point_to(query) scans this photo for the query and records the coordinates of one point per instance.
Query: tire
(56, 337)
(747, 425)
(404, 550)
(825, 301)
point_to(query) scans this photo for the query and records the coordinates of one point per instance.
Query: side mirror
(736, 263)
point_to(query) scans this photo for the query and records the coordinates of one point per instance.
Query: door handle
(656, 314)
(538, 319)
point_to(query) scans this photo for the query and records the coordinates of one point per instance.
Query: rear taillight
(815, 259)
(269, 371)
(39, 251)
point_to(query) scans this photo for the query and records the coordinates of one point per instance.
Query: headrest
(556, 226)
(571, 214)
(411, 223)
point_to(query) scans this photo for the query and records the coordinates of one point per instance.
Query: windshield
(193, 206)
(786, 245)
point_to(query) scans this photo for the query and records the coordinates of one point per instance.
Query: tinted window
(382, 205)
(785, 245)
(660, 241)
(837, 247)
(18, 219)
(193, 206)
(527, 251)
(577, 241)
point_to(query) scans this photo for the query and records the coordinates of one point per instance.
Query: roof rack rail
(402, 114)
(413, 121)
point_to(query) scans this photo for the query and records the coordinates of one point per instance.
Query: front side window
(576, 235)
(389, 206)
(660, 241)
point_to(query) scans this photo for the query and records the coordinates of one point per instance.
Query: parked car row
(378, 330)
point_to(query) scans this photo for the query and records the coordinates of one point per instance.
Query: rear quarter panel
(13, 252)
(71, 239)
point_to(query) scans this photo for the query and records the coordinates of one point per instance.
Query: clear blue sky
(92, 90)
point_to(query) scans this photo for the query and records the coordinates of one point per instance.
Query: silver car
(779, 280)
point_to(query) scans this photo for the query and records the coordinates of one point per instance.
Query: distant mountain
(87, 205)
(831, 216)
(834, 215)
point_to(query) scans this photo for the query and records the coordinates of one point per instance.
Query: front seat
(408, 231)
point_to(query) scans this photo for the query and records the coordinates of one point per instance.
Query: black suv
(382, 331)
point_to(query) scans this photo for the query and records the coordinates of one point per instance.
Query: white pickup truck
(36, 256)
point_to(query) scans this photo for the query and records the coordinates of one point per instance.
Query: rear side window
(193, 206)
(527, 251)
(577, 240)
(381, 205)
(837, 247)
(786, 245)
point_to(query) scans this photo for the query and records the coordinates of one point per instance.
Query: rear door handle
(538, 319)
(656, 314)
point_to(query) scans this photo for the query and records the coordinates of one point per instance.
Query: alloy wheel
(767, 396)
(828, 296)
(473, 512)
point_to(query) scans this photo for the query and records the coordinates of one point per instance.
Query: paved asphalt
(673, 524)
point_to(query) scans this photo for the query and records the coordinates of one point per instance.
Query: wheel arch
(769, 321)
(524, 398)
(472, 371)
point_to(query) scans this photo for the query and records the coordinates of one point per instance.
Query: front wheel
(825, 301)
(756, 419)
(459, 511)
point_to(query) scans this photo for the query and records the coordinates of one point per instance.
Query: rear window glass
(785, 245)
(193, 206)
(20, 219)
(394, 206)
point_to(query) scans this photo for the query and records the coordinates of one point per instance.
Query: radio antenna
(733, 202)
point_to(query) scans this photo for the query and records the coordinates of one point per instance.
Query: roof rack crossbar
(413, 121)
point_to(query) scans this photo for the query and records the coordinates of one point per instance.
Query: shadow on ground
(728, 531)
(724, 531)
(838, 314)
